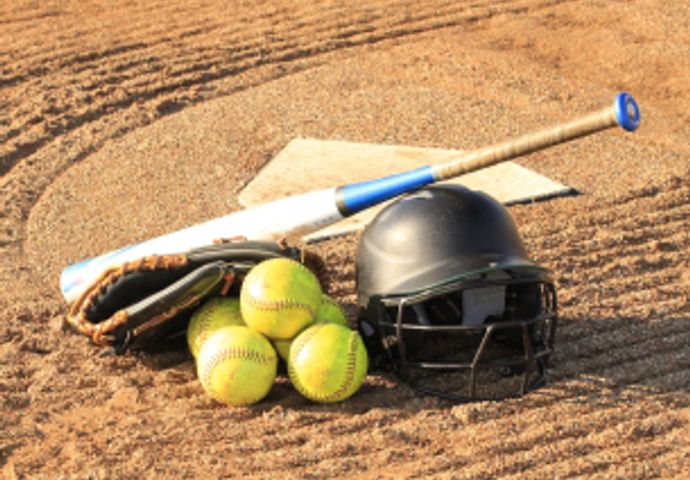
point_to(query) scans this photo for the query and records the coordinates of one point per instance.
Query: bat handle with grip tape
(624, 113)
(358, 196)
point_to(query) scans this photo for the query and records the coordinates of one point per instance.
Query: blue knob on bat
(627, 112)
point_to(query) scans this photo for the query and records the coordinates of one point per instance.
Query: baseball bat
(308, 212)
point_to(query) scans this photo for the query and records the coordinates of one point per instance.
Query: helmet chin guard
(448, 297)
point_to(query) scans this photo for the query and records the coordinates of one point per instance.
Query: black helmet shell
(436, 235)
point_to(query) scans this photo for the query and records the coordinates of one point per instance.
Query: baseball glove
(147, 303)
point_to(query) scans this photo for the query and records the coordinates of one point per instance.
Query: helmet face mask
(458, 332)
(426, 336)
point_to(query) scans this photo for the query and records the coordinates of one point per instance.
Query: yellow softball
(213, 314)
(236, 365)
(279, 298)
(329, 311)
(328, 362)
(283, 348)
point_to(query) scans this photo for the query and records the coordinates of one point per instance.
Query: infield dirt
(86, 86)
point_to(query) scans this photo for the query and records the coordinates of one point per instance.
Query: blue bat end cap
(627, 112)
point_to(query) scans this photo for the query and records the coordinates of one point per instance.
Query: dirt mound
(85, 84)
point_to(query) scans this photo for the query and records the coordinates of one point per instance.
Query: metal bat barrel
(359, 196)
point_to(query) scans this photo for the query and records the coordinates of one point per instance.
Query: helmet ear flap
(372, 334)
(382, 340)
(373, 343)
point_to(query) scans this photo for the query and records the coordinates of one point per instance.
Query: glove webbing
(77, 316)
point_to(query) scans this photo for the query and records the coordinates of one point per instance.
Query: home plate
(308, 164)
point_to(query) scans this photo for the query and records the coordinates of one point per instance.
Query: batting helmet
(444, 285)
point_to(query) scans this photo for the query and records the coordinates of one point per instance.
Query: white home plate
(308, 164)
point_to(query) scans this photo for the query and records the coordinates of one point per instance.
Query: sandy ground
(210, 91)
